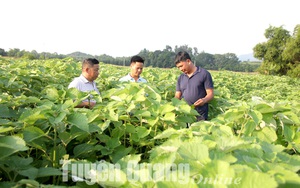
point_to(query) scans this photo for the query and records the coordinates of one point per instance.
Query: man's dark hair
(181, 56)
(90, 61)
(137, 58)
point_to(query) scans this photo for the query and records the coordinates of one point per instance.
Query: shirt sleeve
(73, 84)
(208, 84)
(178, 84)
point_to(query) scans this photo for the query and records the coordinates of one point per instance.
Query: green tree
(205, 60)
(184, 48)
(271, 51)
(106, 59)
(3, 52)
(228, 61)
(28, 55)
(291, 53)
(13, 52)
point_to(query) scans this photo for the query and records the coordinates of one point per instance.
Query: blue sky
(124, 27)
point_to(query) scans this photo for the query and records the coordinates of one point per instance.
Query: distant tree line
(30, 55)
(165, 59)
(159, 58)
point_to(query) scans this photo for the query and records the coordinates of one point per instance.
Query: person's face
(93, 72)
(184, 66)
(136, 69)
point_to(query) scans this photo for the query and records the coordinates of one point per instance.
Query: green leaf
(165, 158)
(289, 162)
(120, 152)
(31, 116)
(92, 115)
(185, 119)
(31, 133)
(142, 113)
(76, 94)
(152, 120)
(166, 108)
(11, 80)
(48, 172)
(28, 183)
(79, 120)
(264, 108)
(234, 115)
(169, 116)
(194, 150)
(288, 133)
(249, 127)
(289, 118)
(16, 162)
(228, 144)
(5, 112)
(268, 118)
(51, 93)
(110, 177)
(113, 143)
(130, 128)
(256, 116)
(271, 148)
(140, 96)
(104, 125)
(60, 117)
(142, 131)
(5, 129)
(267, 134)
(31, 173)
(10, 145)
(251, 178)
(178, 183)
(112, 115)
(166, 134)
(222, 131)
(82, 149)
(132, 159)
(185, 108)
(215, 173)
(116, 98)
(32, 100)
(66, 137)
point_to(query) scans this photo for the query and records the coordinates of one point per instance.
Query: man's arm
(86, 104)
(178, 94)
(209, 96)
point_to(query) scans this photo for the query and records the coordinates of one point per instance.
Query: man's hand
(200, 102)
(86, 104)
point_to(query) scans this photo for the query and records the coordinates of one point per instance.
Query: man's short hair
(181, 56)
(90, 61)
(136, 58)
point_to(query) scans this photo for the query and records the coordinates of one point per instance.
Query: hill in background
(247, 57)
(80, 55)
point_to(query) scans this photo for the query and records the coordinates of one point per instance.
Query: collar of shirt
(131, 78)
(197, 71)
(84, 79)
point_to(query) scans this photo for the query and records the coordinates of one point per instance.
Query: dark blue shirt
(194, 88)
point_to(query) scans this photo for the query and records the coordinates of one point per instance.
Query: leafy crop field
(136, 135)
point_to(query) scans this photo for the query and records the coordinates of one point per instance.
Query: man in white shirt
(136, 66)
(86, 81)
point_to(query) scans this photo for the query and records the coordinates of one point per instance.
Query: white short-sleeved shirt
(129, 78)
(82, 84)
